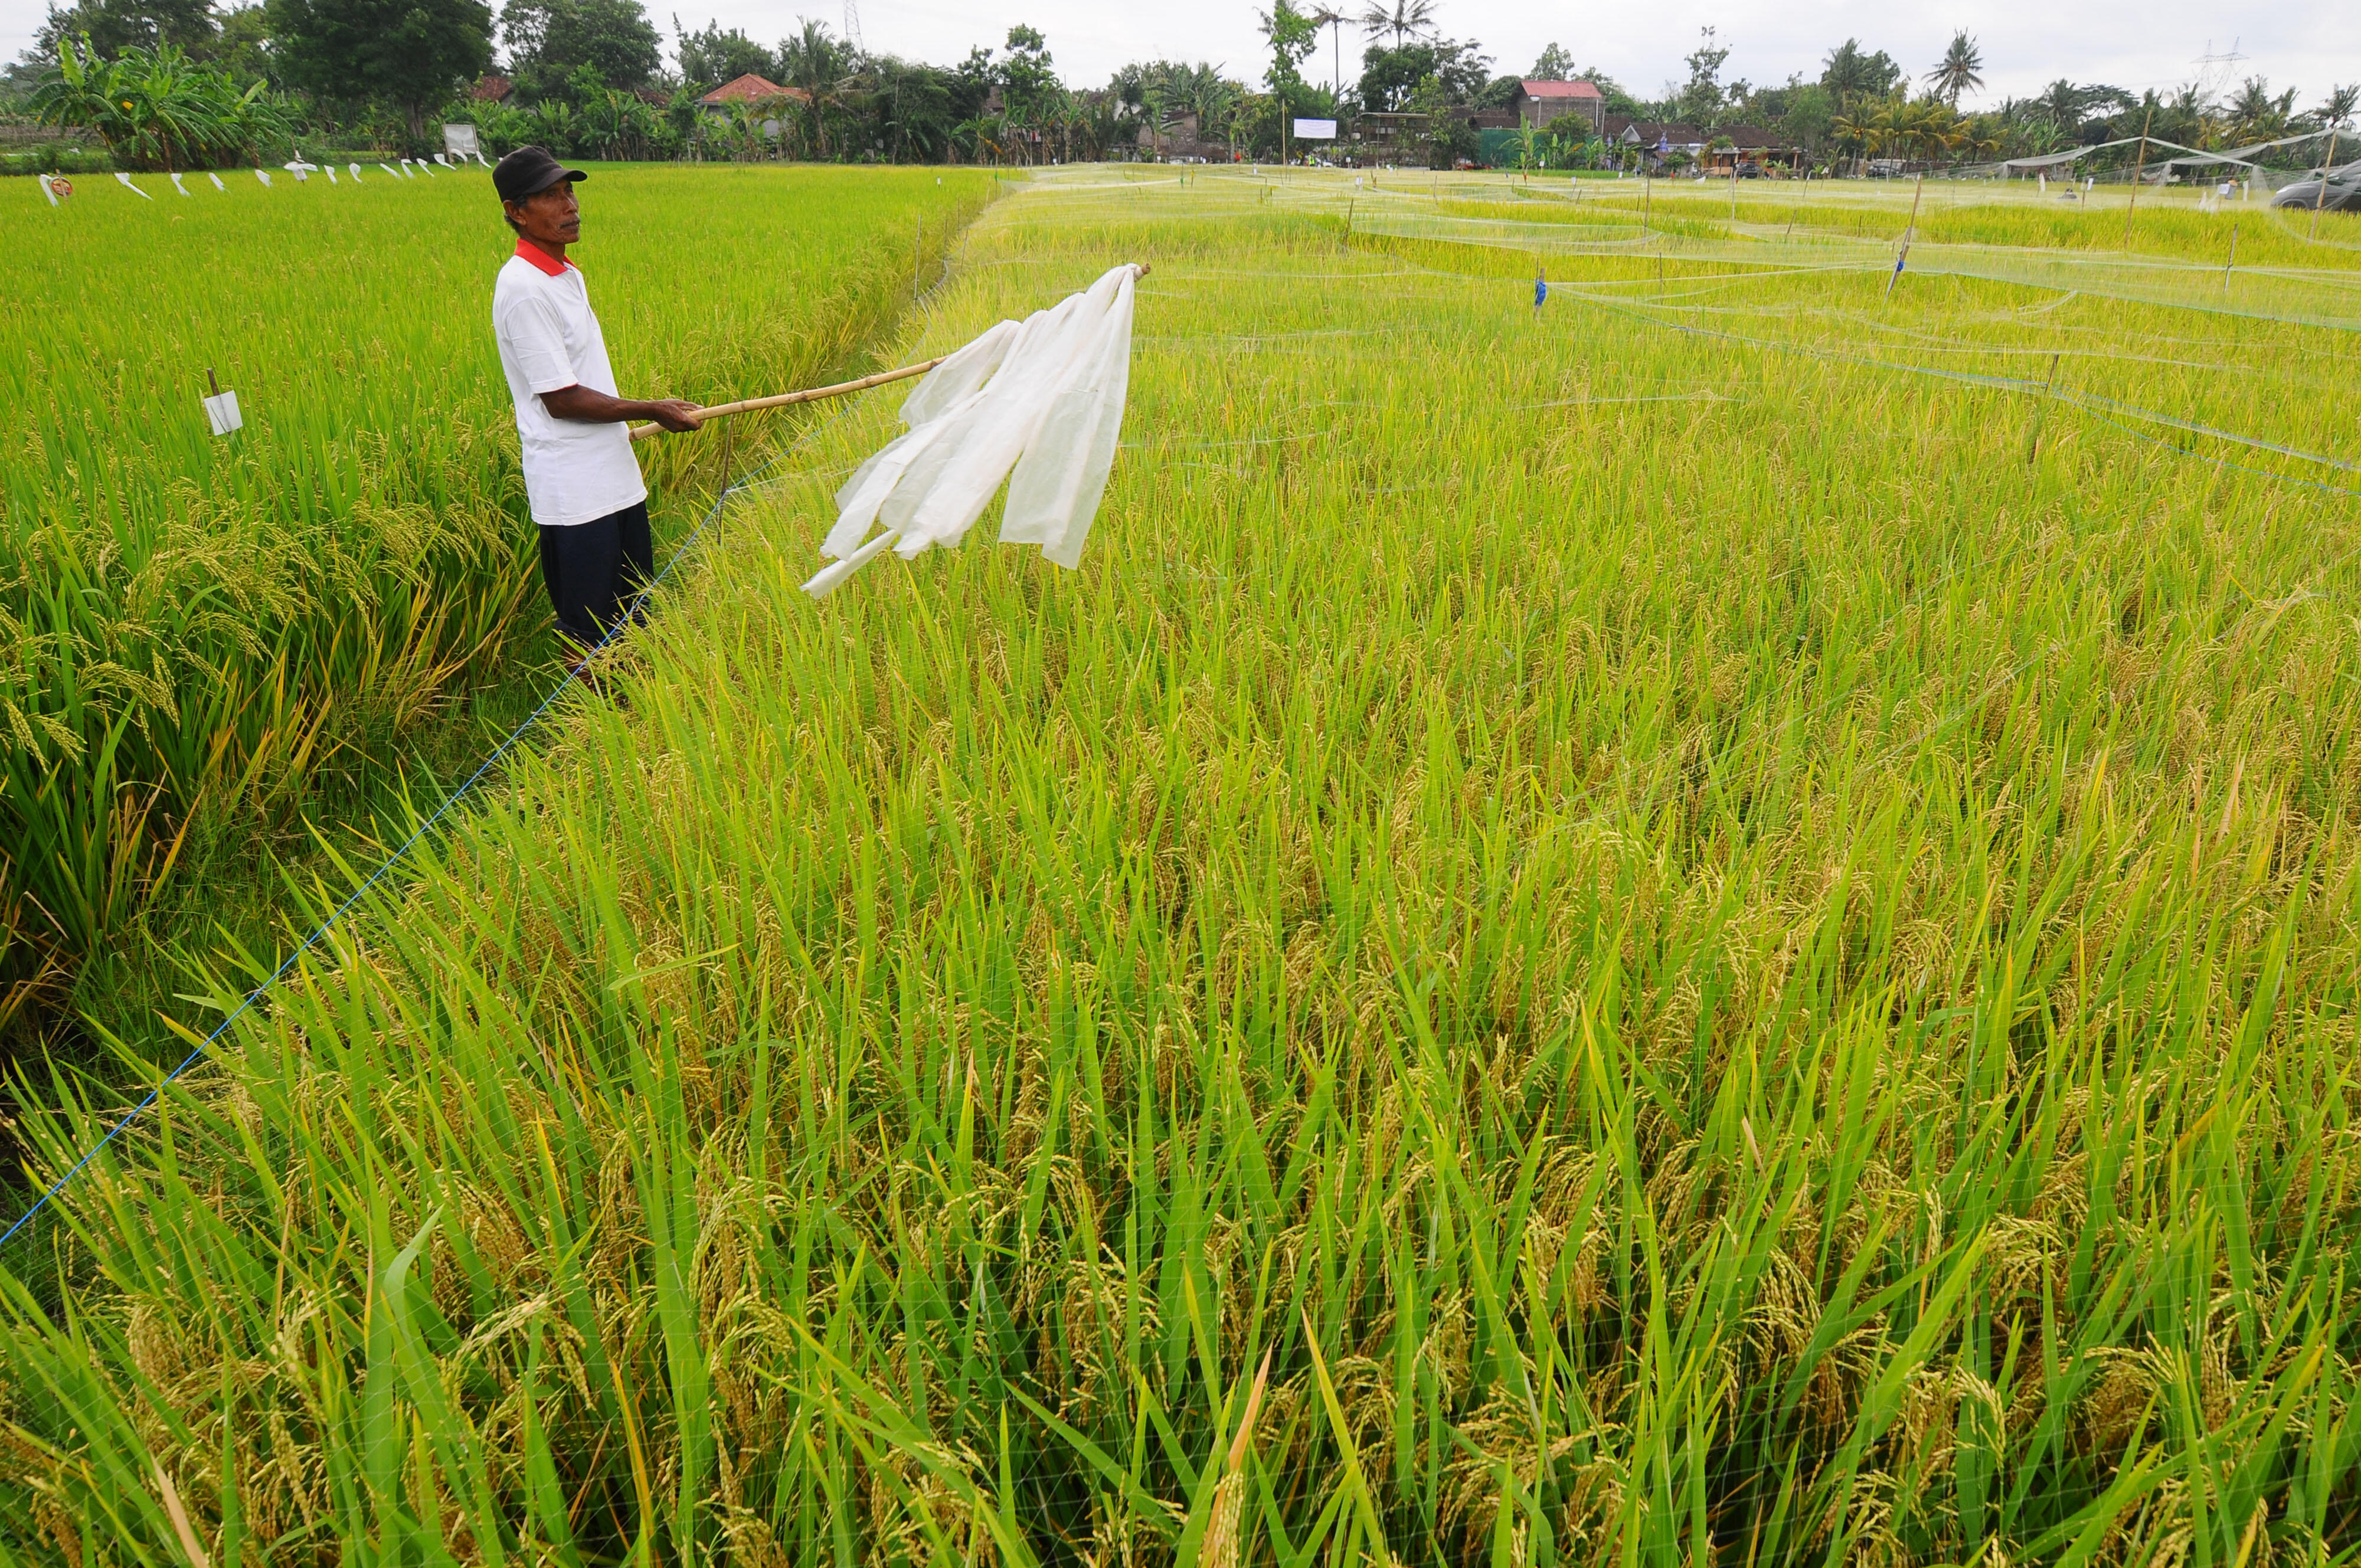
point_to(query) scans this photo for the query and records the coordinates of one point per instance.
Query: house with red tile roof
(751, 89)
(1537, 103)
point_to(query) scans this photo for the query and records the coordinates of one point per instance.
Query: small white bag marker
(222, 408)
(135, 190)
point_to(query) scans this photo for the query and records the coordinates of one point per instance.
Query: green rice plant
(1577, 942)
(195, 632)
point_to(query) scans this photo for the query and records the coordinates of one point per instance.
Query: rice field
(197, 633)
(1714, 920)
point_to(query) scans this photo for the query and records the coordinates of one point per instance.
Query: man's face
(551, 216)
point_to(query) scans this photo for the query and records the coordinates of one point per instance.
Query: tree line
(177, 84)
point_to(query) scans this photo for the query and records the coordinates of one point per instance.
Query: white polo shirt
(549, 340)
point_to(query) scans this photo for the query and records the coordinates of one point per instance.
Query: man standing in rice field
(588, 496)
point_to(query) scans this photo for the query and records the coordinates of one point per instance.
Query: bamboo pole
(814, 394)
(2138, 168)
(809, 395)
(2327, 167)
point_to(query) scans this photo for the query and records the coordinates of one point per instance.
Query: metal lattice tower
(853, 22)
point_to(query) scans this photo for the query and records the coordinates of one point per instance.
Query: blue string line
(630, 615)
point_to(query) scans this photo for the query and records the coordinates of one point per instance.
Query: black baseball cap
(528, 171)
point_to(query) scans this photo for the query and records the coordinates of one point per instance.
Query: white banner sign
(1315, 130)
(459, 140)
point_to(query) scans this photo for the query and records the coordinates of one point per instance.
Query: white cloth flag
(331, 172)
(217, 184)
(1045, 396)
(263, 175)
(355, 169)
(135, 190)
(48, 189)
(389, 169)
(184, 190)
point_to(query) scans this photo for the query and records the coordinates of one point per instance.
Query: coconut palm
(1335, 21)
(2336, 110)
(2259, 115)
(1408, 19)
(1962, 68)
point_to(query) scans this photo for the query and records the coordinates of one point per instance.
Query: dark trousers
(594, 569)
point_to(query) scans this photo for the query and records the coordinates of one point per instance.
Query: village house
(1654, 142)
(749, 89)
(1539, 104)
(1753, 151)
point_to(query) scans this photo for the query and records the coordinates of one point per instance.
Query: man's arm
(590, 407)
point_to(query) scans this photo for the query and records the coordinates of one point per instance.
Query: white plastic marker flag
(355, 169)
(49, 189)
(444, 159)
(184, 190)
(300, 169)
(135, 190)
(406, 174)
(1044, 396)
(263, 175)
(217, 184)
(222, 408)
(331, 172)
(389, 169)
(481, 159)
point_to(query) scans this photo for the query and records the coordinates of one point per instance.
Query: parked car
(2343, 194)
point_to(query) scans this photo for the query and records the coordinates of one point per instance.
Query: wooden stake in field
(2138, 168)
(2233, 258)
(2320, 201)
(809, 395)
(917, 254)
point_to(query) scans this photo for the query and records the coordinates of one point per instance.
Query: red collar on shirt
(542, 259)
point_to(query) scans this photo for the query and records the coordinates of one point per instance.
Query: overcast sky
(2136, 44)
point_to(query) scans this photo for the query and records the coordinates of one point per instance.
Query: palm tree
(1333, 19)
(1409, 18)
(815, 63)
(2256, 115)
(1962, 68)
(2336, 109)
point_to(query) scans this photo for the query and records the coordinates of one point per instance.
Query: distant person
(584, 484)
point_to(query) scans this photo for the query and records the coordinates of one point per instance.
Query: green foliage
(109, 28)
(1852, 73)
(712, 56)
(551, 41)
(1292, 34)
(411, 53)
(158, 109)
(197, 634)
